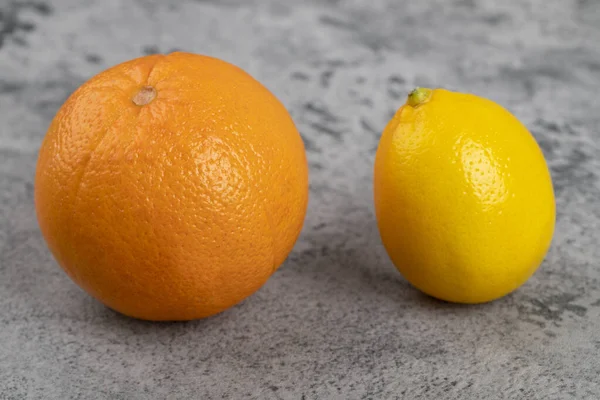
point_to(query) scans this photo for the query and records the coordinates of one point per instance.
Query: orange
(171, 187)
(463, 196)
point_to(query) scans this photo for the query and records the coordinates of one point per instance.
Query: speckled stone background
(336, 321)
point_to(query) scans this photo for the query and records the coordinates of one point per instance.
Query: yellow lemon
(463, 197)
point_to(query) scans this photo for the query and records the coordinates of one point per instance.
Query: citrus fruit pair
(172, 187)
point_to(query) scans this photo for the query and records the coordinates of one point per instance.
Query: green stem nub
(419, 96)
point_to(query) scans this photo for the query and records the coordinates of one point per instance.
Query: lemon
(463, 197)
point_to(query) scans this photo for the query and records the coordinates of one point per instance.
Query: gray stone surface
(337, 321)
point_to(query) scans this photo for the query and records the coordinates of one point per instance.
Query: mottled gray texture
(337, 320)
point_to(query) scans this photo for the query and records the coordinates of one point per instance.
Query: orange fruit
(171, 187)
(463, 196)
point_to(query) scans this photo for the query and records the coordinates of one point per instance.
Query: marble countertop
(337, 321)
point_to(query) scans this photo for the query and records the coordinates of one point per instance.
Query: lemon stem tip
(419, 96)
